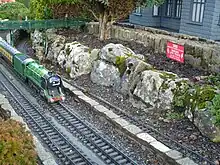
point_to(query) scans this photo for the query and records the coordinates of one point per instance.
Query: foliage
(13, 11)
(104, 11)
(215, 109)
(25, 2)
(39, 9)
(174, 115)
(193, 97)
(16, 144)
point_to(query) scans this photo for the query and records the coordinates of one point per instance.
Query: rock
(131, 75)
(204, 120)
(76, 58)
(105, 74)
(157, 88)
(111, 51)
(55, 48)
(94, 54)
(40, 51)
(37, 39)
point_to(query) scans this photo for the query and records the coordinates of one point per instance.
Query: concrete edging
(171, 156)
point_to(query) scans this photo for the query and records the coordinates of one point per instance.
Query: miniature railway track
(99, 145)
(149, 128)
(58, 144)
(104, 149)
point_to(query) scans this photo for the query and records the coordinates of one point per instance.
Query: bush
(16, 144)
(13, 11)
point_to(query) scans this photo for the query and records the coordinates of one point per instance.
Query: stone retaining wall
(200, 53)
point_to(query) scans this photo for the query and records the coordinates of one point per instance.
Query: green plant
(13, 11)
(215, 109)
(16, 144)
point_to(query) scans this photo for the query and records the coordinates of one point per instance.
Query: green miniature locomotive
(48, 84)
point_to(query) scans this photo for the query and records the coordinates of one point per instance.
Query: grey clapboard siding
(191, 28)
(169, 22)
(216, 23)
(209, 28)
(145, 19)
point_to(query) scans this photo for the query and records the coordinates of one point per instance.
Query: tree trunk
(104, 26)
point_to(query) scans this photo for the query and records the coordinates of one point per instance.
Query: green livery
(48, 84)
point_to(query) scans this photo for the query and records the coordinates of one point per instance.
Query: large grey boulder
(111, 52)
(56, 47)
(131, 76)
(203, 120)
(156, 88)
(77, 59)
(105, 74)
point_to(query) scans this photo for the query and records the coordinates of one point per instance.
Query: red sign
(175, 52)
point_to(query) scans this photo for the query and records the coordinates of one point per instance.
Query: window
(138, 10)
(169, 8)
(156, 10)
(178, 8)
(198, 10)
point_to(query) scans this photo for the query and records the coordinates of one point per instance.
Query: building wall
(216, 22)
(169, 22)
(145, 18)
(191, 28)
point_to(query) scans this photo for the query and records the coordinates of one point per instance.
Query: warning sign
(175, 52)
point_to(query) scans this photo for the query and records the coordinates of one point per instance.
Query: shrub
(16, 144)
(13, 11)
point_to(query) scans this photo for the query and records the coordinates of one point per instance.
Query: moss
(216, 139)
(68, 70)
(165, 75)
(121, 64)
(164, 86)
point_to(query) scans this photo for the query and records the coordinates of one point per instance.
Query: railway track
(82, 130)
(149, 128)
(91, 138)
(66, 152)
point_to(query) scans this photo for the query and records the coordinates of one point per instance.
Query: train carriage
(7, 51)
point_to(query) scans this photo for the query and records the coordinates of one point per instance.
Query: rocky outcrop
(38, 44)
(204, 121)
(119, 67)
(55, 48)
(77, 59)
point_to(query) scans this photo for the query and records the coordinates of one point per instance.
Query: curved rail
(61, 147)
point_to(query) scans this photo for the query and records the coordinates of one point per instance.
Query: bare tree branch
(95, 16)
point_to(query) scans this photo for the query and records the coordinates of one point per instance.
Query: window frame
(200, 5)
(169, 3)
(138, 11)
(178, 3)
(158, 11)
